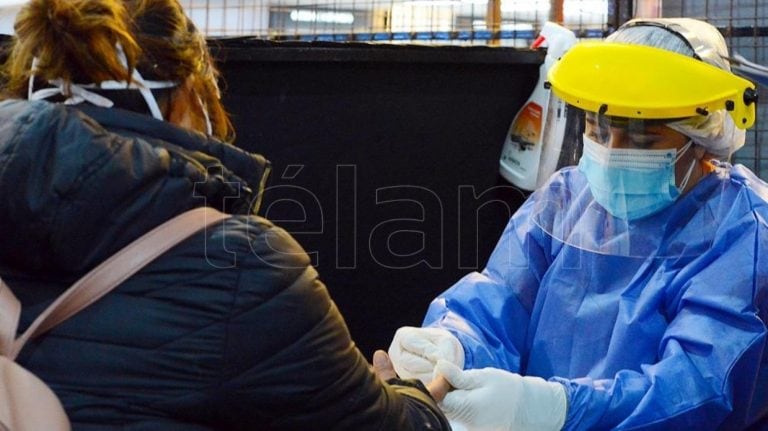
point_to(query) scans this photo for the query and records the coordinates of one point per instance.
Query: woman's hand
(382, 367)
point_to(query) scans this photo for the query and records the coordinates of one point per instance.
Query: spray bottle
(522, 161)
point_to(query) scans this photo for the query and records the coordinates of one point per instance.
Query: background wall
(385, 163)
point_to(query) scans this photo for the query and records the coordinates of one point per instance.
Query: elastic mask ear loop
(208, 125)
(690, 169)
(31, 87)
(78, 93)
(683, 150)
(154, 108)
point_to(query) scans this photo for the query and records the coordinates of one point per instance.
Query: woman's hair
(75, 41)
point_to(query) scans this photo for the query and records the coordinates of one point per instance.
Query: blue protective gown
(654, 342)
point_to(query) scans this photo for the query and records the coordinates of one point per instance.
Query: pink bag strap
(105, 277)
(10, 311)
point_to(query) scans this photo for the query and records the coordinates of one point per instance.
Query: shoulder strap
(10, 311)
(113, 271)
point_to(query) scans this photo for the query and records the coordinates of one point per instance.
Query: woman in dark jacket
(231, 329)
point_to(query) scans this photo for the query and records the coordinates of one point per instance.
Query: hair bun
(59, 16)
(75, 40)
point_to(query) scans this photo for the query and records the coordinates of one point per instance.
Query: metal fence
(485, 22)
(744, 23)
(498, 22)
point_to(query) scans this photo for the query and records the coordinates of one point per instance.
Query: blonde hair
(75, 40)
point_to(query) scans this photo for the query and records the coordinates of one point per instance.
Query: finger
(382, 366)
(458, 378)
(438, 388)
(421, 346)
(409, 366)
(415, 364)
(454, 405)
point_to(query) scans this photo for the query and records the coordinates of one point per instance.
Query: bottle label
(526, 128)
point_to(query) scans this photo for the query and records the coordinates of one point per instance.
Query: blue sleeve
(489, 312)
(712, 367)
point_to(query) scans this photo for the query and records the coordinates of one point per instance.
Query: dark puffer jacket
(230, 330)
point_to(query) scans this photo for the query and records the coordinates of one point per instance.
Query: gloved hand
(415, 351)
(493, 399)
(383, 368)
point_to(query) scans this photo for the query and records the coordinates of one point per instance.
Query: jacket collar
(80, 183)
(249, 170)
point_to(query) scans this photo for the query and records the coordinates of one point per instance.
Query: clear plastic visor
(586, 205)
(629, 133)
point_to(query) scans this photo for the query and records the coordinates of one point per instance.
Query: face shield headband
(701, 50)
(635, 81)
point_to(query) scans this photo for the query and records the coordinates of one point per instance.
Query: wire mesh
(744, 23)
(394, 21)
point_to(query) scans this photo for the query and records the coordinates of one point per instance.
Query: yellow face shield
(635, 81)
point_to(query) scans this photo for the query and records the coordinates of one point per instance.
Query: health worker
(630, 291)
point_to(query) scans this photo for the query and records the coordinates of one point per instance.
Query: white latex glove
(415, 351)
(491, 399)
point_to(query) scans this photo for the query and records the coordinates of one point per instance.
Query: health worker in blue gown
(630, 291)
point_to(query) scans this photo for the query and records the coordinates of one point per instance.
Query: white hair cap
(716, 132)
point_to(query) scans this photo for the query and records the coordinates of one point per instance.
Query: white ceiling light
(525, 6)
(326, 17)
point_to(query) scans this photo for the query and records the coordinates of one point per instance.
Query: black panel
(412, 137)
